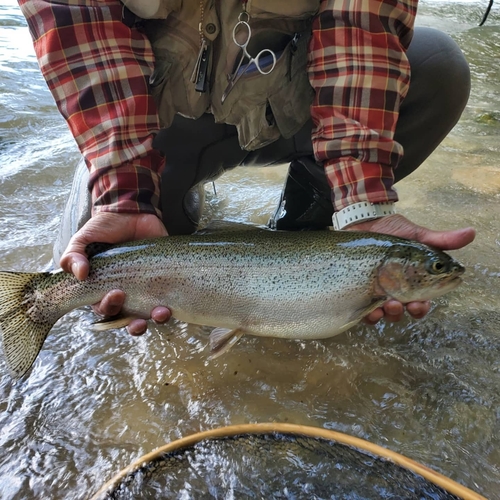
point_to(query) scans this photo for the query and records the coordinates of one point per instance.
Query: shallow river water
(94, 402)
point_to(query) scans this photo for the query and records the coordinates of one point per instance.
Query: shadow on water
(94, 402)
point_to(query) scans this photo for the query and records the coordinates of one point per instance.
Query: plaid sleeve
(97, 69)
(359, 70)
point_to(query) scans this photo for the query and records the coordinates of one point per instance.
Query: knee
(436, 58)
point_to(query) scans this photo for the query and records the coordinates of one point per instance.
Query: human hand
(397, 225)
(108, 227)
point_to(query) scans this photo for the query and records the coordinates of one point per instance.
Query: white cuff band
(360, 212)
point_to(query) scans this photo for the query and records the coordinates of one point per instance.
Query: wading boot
(305, 202)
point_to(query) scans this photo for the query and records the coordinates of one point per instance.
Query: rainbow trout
(295, 285)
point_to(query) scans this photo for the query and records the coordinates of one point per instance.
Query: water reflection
(95, 402)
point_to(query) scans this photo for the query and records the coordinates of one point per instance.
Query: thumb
(107, 227)
(97, 229)
(446, 240)
(74, 259)
(397, 225)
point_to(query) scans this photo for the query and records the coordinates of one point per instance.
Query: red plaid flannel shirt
(359, 70)
(97, 68)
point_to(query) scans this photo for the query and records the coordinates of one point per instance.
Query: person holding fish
(163, 96)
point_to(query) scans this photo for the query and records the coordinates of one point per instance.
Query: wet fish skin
(296, 285)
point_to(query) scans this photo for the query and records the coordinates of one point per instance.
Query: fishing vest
(262, 107)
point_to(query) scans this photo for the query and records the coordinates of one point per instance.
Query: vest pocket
(265, 107)
(175, 46)
(290, 105)
(258, 128)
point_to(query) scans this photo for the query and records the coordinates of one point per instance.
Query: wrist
(361, 212)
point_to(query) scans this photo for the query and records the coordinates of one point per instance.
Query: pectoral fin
(360, 313)
(112, 323)
(222, 339)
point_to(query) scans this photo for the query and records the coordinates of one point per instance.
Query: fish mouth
(450, 284)
(441, 288)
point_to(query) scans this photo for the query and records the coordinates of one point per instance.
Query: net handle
(297, 430)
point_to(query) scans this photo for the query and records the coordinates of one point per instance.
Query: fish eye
(436, 266)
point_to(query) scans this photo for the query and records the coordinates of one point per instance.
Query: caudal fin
(22, 336)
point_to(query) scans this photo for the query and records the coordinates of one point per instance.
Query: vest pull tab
(200, 72)
(293, 49)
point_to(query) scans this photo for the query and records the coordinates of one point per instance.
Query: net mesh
(276, 466)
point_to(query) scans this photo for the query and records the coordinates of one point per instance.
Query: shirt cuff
(133, 187)
(353, 181)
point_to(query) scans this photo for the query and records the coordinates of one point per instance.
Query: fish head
(415, 272)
